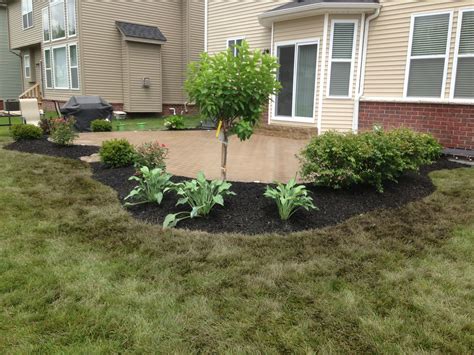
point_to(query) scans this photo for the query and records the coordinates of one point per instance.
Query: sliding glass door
(297, 75)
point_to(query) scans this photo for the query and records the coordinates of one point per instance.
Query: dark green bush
(101, 126)
(117, 153)
(342, 160)
(26, 131)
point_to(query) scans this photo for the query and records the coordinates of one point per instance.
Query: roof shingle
(140, 31)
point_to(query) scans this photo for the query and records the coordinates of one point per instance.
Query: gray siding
(10, 82)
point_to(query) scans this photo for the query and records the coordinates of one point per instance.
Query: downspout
(361, 70)
(206, 19)
(270, 102)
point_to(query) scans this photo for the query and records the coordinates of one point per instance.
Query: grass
(78, 274)
(153, 123)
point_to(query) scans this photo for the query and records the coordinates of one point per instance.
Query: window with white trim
(464, 82)
(48, 68)
(342, 55)
(27, 65)
(428, 55)
(60, 68)
(27, 13)
(46, 27)
(73, 67)
(71, 18)
(57, 19)
(232, 43)
(297, 75)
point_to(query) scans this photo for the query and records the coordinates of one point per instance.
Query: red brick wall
(452, 125)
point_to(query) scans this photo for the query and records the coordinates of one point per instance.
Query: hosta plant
(289, 198)
(201, 195)
(152, 185)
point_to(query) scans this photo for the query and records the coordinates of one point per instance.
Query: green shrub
(289, 198)
(116, 153)
(201, 195)
(174, 122)
(62, 131)
(151, 155)
(101, 126)
(341, 160)
(26, 131)
(152, 185)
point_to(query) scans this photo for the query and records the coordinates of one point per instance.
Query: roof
(305, 8)
(141, 32)
(298, 3)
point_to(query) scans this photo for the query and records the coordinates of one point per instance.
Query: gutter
(267, 18)
(362, 65)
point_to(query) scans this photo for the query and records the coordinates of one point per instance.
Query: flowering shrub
(62, 131)
(341, 160)
(174, 122)
(151, 155)
(116, 153)
(45, 124)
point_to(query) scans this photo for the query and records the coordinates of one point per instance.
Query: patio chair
(30, 111)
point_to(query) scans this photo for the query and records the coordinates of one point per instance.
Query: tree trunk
(224, 155)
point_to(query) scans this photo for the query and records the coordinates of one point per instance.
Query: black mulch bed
(45, 147)
(250, 212)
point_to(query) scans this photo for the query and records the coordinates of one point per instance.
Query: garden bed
(45, 147)
(250, 212)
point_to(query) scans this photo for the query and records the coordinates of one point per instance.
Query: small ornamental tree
(233, 90)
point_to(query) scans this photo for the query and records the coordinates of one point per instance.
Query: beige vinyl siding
(142, 60)
(388, 44)
(299, 30)
(338, 113)
(19, 37)
(102, 48)
(231, 18)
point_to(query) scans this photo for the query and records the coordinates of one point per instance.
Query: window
(48, 69)
(27, 65)
(73, 66)
(297, 75)
(341, 58)
(232, 43)
(464, 57)
(58, 21)
(27, 13)
(71, 17)
(46, 29)
(428, 54)
(60, 68)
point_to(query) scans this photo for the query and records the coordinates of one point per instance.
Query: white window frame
(457, 56)
(352, 60)
(438, 56)
(46, 9)
(27, 60)
(235, 39)
(73, 44)
(54, 2)
(293, 118)
(50, 69)
(67, 19)
(26, 13)
(53, 65)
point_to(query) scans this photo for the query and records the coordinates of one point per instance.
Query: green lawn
(79, 275)
(153, 123)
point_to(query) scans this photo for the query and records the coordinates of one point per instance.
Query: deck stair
(33, 92)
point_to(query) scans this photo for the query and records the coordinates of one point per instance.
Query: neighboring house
(347, 65)
(10, 82)
(132, 53)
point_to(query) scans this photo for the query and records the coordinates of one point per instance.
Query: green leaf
(219, 200)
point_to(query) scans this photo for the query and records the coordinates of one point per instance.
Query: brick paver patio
(262, 158)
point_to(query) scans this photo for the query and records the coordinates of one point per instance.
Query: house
(132, 53)
(10, 84)
(349, 64)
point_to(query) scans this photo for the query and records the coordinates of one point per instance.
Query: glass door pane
(305, 80)
(284, 100)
